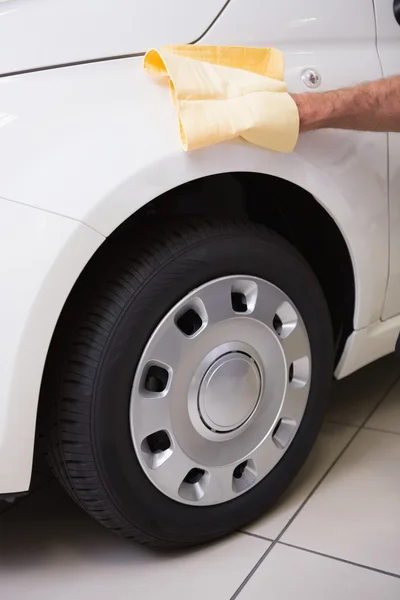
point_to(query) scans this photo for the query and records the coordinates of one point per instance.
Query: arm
(371, 106)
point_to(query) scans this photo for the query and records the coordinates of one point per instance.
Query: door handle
(396, 10)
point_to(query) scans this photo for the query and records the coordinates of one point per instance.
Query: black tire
(117, 305)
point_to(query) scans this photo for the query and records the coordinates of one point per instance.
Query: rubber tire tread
(101, 297)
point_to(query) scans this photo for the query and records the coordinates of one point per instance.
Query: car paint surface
(388, 45)
(41, 256)
(37, 33)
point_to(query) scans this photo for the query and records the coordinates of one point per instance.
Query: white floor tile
(330, 443)
(354, 397)
(355, 513)
(387, 415)
(50, 549)
(292, 574)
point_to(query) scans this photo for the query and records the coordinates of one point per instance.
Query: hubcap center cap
(229, 392)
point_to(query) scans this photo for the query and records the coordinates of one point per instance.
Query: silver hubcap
(220, 390)
(229, 392)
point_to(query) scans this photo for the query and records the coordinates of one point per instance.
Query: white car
(171, 322)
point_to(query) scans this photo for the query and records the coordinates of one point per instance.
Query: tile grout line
(292, 518)
(319, 482)
(385, 395)
(381, 430)
(339, 456)
(253, 570)
(256, 535)
(367, 427)
(330, 556)
(342, 423)
(343, 560)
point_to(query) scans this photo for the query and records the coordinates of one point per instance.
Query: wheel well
(282, 206)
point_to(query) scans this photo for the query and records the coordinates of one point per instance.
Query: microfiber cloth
(223, 92)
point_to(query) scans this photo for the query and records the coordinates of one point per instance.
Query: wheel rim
(220, 390)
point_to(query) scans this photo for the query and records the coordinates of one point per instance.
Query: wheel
(194, 381)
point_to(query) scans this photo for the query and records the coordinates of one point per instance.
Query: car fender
(41, 256)
(96, 142)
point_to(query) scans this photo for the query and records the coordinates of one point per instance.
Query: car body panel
(96, 142)
(38, 33)
(42, 256)
(388, 38)
(368, 344)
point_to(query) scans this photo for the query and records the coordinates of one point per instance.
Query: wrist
(313, 111)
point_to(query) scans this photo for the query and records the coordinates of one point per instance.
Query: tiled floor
(335, 534)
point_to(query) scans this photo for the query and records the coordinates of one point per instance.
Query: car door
(388, 40)
(335, 43)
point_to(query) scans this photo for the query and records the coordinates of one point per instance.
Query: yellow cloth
(223, 92)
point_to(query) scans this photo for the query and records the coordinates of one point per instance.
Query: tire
(106, 328)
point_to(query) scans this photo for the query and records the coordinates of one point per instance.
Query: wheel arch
(288, 209)
(264, 198)
(281, 205)
(241, 196)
